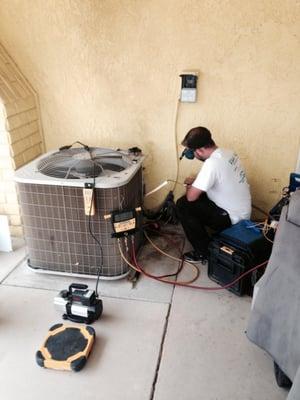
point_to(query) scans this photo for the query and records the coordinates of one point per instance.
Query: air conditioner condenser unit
(56, 225)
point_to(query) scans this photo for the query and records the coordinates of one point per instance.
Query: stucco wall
(107, 74)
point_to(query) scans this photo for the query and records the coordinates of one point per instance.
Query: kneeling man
(218, 197)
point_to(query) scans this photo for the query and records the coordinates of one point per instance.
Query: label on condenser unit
(89, 201)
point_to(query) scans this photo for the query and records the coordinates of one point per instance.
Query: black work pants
(196, 216)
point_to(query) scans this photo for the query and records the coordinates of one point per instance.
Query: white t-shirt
(223, 179)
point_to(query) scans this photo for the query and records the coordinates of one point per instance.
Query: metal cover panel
(57, 229)
(30, 174)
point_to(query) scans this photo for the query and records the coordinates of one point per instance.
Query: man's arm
(192, 193)
(205, 179)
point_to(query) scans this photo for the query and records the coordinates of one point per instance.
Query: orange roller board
(66, 347)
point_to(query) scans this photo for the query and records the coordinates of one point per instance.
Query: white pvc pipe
(157, 188)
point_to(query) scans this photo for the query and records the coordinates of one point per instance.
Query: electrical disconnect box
(188, 87)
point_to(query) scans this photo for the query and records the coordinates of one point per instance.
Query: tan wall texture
(20, 134)
(107, 74)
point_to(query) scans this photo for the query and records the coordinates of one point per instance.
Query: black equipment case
(233, 252)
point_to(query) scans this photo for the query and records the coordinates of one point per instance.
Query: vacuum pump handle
(80, 286)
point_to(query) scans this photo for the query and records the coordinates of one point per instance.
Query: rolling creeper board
(66, 347)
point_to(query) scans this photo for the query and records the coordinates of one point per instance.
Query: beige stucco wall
(107, 74)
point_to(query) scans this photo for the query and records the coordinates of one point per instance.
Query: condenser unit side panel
(57, 229)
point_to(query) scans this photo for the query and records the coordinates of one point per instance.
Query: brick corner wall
(21, 137)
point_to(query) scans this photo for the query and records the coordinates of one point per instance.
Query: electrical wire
(284, 193)
(100, 268)
(174, 258)
(138, 268)
(155, 228)
(176, 143)
(180, 267)
(265, 230)
(181, 264)
(161, 251)
(82, 144)
(120, 153)
(173, 243)
(260, 210)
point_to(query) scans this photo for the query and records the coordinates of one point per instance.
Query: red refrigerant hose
(138, 268)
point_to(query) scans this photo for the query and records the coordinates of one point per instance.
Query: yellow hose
(175, 258)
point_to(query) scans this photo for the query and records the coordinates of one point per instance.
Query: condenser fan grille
(78, 163)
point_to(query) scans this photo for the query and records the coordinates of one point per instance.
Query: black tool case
(233, 252)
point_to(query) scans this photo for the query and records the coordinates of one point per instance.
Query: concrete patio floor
(153, 341)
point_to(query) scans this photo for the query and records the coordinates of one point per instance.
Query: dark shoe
(194, 257)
